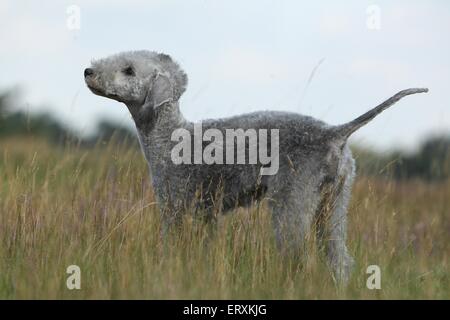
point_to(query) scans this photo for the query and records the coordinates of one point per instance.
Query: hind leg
(292, 217)
(332, 226)
(337, 253)
(291, 230)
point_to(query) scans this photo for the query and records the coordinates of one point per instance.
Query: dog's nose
(88, 72)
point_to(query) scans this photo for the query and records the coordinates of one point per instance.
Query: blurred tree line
(16, 122)
(431, 162)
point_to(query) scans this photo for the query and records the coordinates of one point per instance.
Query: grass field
(95, 209)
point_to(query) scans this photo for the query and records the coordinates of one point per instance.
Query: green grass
(95, 209)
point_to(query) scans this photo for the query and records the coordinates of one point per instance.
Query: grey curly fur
(316, 167)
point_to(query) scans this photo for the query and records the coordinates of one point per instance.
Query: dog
(315, 169)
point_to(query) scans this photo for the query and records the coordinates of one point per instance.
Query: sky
(333, 61)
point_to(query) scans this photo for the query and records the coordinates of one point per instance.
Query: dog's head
(137, 78)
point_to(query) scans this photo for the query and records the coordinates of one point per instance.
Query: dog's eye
(128, 71)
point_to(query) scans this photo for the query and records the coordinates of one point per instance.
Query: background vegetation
(87, 201)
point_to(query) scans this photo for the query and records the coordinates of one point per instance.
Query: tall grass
(95, 209)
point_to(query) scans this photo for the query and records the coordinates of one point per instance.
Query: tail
(345, 130)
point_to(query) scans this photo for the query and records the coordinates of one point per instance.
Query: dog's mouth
(96, 91)
(102, 93)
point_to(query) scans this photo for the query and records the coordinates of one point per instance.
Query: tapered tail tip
(421, 90)
(407, 92)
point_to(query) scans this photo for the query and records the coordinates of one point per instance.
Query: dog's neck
(155, 127)
(157, 121)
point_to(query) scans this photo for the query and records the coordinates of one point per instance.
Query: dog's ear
(160, 91)
(177, 75)
(167, 84)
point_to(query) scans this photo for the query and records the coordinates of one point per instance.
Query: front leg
(171, 217)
